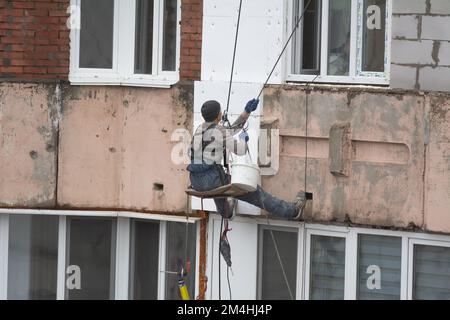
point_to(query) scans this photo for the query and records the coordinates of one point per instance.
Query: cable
(225, 120)
(234, 56)
(220, 274)
(284, 48)
(306, 128)
(228, 279)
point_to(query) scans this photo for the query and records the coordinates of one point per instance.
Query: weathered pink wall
(115, 145)
(27, 145)
(437, 197)
(389, 133)
(112, 144)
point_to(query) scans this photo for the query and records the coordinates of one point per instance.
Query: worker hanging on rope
(206, 170)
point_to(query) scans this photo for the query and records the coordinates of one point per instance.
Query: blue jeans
(215, 177)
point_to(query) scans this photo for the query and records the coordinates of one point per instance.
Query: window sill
(156, 82)
(381, 81)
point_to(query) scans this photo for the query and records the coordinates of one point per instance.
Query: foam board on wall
(241, 93)
(260, 41)
(244, 248)
(250, 8)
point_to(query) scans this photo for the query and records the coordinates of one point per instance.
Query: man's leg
(271, 204)
(212, 180)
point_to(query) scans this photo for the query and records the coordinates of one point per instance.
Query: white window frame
(122, 242)
(122, 72)
(404, 256)
(332, 232)
(4, 239)
(369, 78)
(274, 227)
(424, 242)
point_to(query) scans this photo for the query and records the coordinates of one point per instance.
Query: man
(207, 172)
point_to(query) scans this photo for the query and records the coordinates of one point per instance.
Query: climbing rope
(227, 122)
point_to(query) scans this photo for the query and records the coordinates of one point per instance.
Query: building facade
(96, 98)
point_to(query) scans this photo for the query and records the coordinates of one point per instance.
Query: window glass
(339, 37)
(327, 269)
(169, 35)
(91, 258)
(176, 256)
(273, 285)
(32, 257)
(96, 34)
(431, 273)
(144, 260)
(374, 34)
(379, 267)
(144, 37)
(307, 41)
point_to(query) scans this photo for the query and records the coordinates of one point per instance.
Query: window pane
(175, 257)
(96, 34)
(272, 281)
(91, 250)
(374, 30)
(306, 46)
(379, 267)
(327, 268)
(169, 35)
(431, 273)
(339, 37)
(144, 37)
(144, 257)
(32, 257)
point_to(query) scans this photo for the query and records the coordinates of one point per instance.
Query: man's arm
(239, 123)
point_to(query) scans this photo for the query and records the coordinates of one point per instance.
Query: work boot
(300, 204)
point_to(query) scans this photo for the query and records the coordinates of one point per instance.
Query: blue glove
(251, 105)
(244, 136)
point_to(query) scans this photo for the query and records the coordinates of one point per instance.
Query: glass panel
(91, 257)
(144, 260)
(273, 284)
(327, 268)
(144, 37)
(306, 46)
(96, 34)
(431, 273)
(339, 37)
(379, 267)
(32, 257)
(169, 35)
(374, 31)
(175, 257)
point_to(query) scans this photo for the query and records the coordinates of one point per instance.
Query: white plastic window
(125, 42)
(277, 261)
(342, 41)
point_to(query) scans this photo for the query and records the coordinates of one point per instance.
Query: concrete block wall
(421, 45)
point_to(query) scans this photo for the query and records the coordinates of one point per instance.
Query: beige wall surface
(112, 145)
(28, 145)
(395, 137)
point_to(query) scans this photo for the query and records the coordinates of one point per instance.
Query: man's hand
(244, 136)
(251, 105)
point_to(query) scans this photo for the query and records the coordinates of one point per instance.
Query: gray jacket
(209, 150)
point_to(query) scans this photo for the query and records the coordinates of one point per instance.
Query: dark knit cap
(210, 110)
